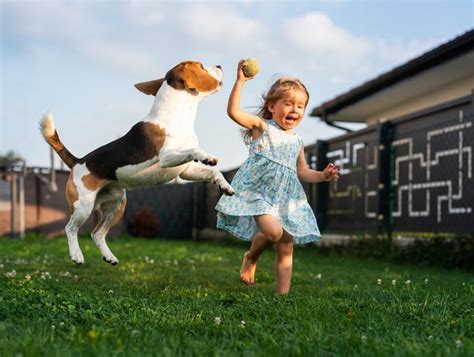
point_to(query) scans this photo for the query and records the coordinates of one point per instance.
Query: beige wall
(458, 88)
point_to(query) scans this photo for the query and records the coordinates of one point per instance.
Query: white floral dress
(267, 183)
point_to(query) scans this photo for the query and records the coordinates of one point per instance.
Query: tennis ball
(251, 67)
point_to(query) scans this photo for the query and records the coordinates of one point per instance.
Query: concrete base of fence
(210, 234)
(343, 239)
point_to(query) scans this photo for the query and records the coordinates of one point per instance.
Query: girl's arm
(241, 117)
(305, 174)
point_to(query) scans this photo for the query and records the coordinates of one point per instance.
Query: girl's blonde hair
(278, 90)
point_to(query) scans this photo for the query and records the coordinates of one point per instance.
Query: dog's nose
(219, 66)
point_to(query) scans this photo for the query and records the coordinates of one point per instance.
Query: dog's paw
(107, 255)
(77, 257)
(204, 157)
(210, 160)
(226, 189)
(111, 260)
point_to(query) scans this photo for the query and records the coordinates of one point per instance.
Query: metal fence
(173, 207)
(411, 174)
(32, 201)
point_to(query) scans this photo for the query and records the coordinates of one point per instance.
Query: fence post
(21, 198)
(13, 204)
(385, 134)
(199, 209)
(322, 189)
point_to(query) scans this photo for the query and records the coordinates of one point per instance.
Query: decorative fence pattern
(411, 174)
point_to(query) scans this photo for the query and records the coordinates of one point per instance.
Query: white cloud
(119, 57)
(61, 29)
(315, 33)
(329, 53)
(398, 51)
(214, 25)
(145, 13)
(45, 19)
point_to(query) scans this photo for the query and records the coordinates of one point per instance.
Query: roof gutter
(324, 117)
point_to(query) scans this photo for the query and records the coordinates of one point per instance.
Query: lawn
(184, 298)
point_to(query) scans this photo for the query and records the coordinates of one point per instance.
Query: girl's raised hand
(240, 72)
(331, 172)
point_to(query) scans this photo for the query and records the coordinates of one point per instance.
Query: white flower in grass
(111, 291)
(430, 337)
(463, 284)
(459, 344)
(319, 276)
(379, 281)
(217, 321)
(149, 261)
(28, 277)
(242, 323)
(426, 281)
(53, 327)
(363, 338)
(11, 274)
(407, 283)
(45, 275)
(394, 282)
(61, 324)
(2, 266)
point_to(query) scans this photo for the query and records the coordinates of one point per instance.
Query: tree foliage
(10, 158)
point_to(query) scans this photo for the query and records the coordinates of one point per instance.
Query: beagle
(160, 148)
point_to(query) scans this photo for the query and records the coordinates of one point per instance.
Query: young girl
(270, 205)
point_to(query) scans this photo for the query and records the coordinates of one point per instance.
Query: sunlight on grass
(172, 298)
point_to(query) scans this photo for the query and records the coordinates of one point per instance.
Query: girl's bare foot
(247, 271)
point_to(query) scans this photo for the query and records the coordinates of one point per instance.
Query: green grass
(164, 297)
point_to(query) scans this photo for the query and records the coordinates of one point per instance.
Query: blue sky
(80, 60)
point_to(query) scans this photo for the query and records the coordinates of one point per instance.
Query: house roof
(354, 104)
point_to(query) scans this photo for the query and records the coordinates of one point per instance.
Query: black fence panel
(408, 174)
(432, 172)
(353, 201)
(212, 194)
(172, 205)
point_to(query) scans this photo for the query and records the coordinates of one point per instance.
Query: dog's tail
(48, 129)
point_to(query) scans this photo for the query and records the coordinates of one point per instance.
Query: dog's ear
(150, 87)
